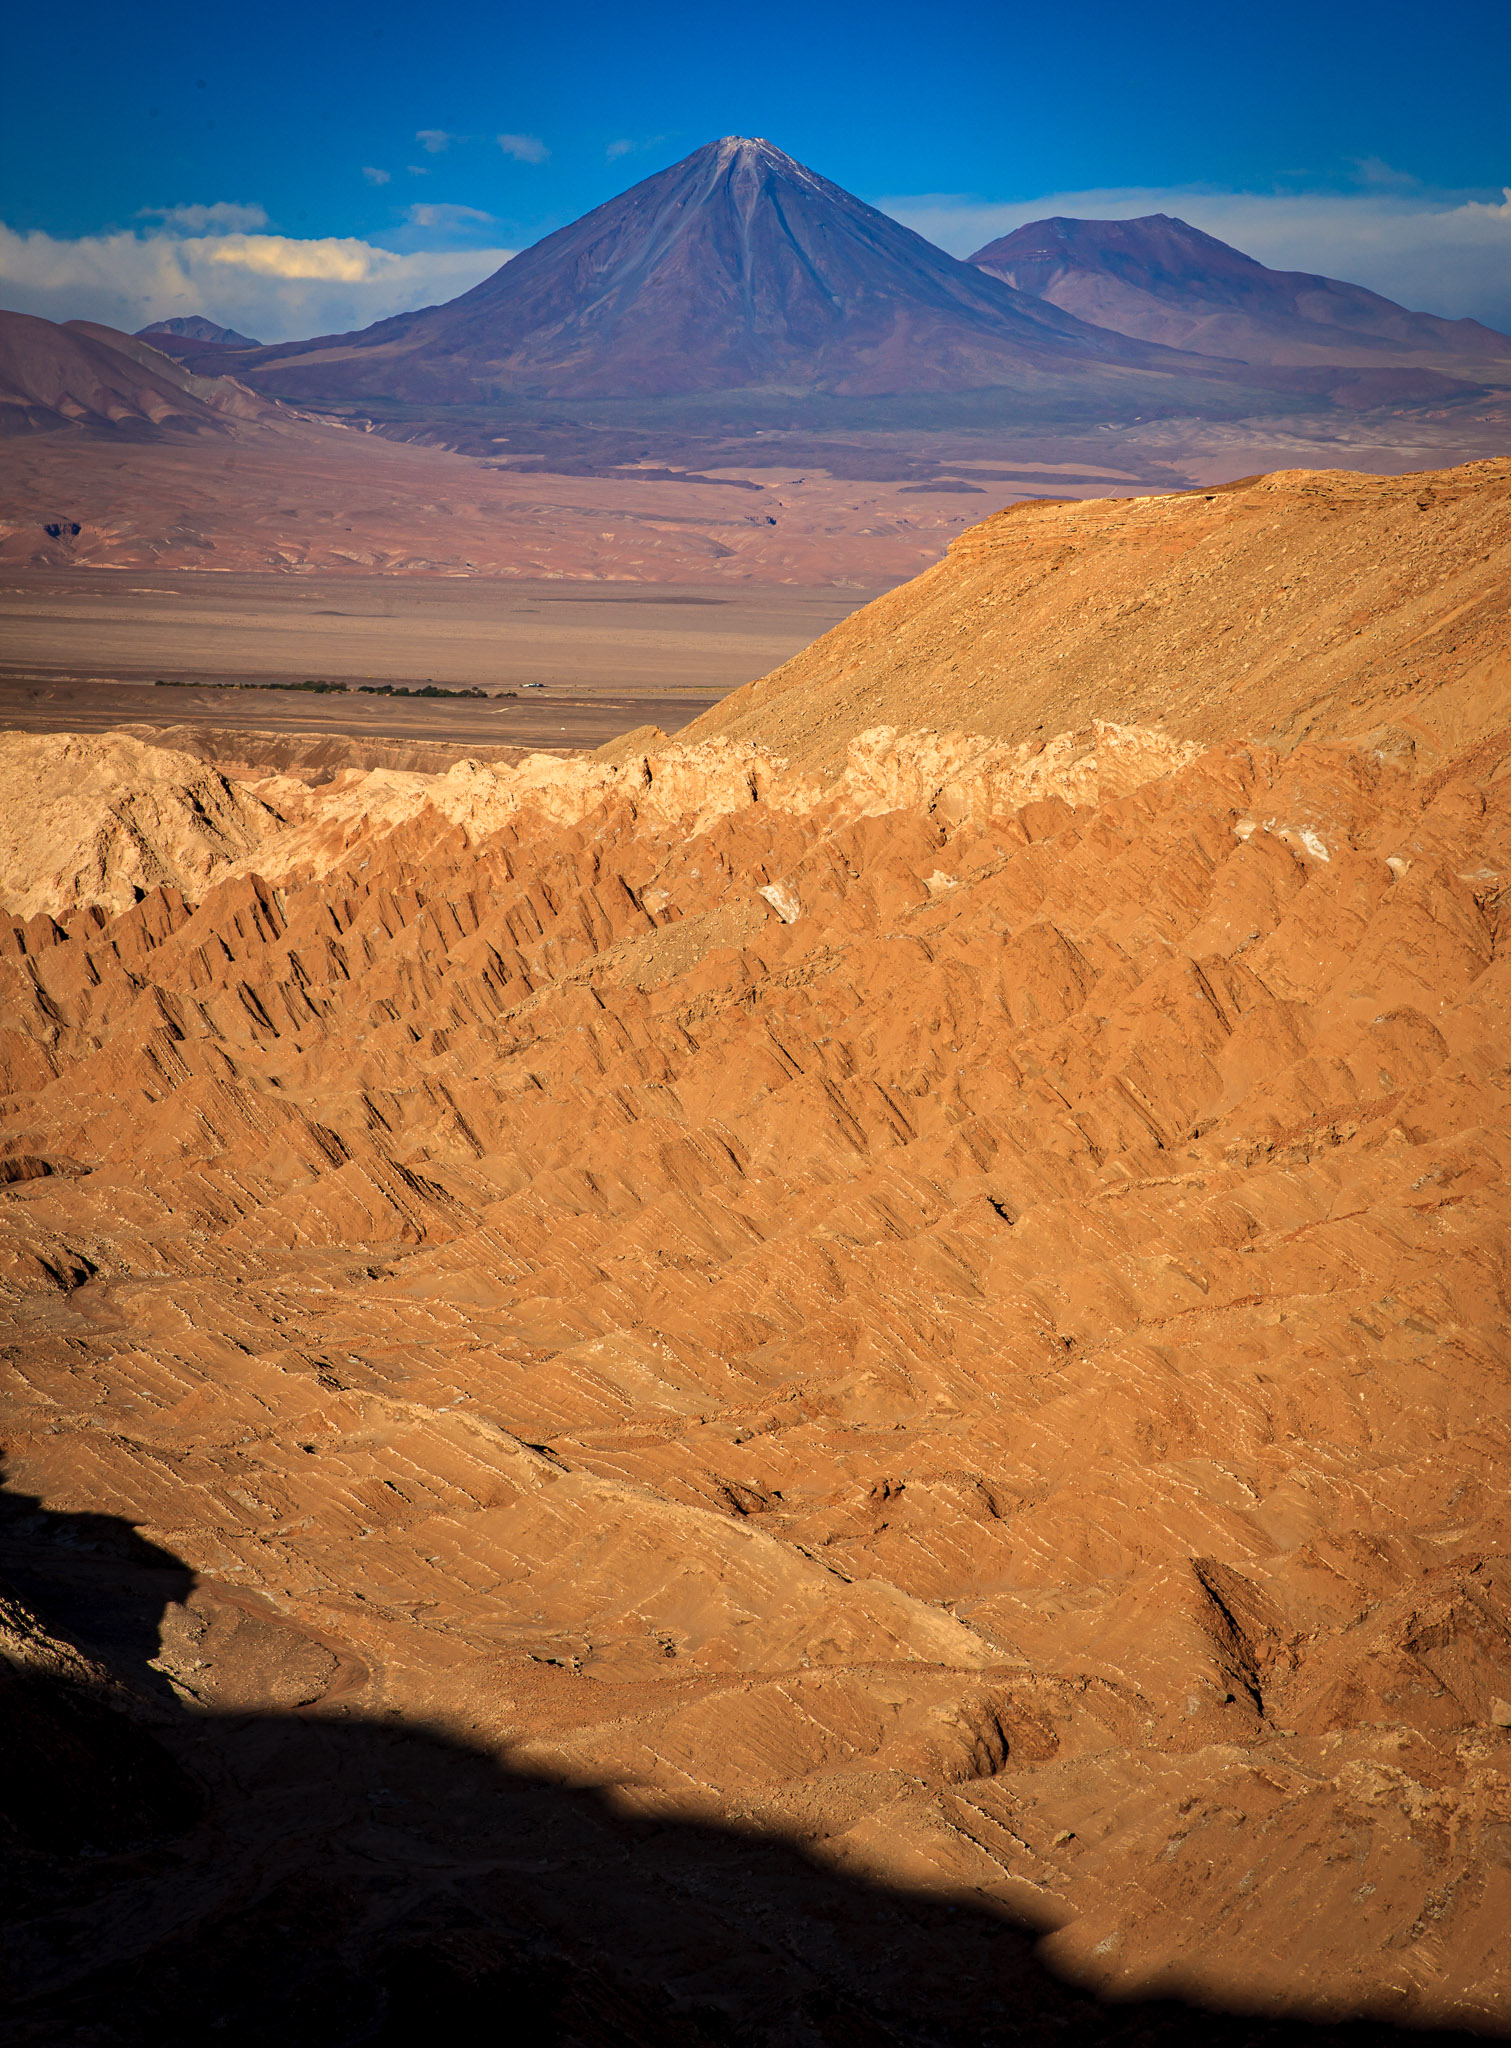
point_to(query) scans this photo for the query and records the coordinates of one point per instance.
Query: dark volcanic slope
(1165, 281)
(736, 270)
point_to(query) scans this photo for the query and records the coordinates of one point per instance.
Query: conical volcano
(738, 269)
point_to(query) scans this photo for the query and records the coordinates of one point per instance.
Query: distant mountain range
(739, 281)
(194, 328)
(739, 295)
(1165, 281)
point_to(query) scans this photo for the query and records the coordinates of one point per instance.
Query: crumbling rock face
(99, 822)
(952, 1312)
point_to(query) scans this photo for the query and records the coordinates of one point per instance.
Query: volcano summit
(737, 270)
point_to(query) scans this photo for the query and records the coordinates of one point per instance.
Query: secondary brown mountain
(195, 327)
(1161, 279)
(95, 381)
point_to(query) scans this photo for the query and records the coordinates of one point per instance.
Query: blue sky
(224, 152)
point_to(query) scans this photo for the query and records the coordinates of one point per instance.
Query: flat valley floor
(83, 651)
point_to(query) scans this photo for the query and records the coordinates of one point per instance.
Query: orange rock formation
(1307, 604)
(950, 1312)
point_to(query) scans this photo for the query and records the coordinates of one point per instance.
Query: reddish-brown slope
(304, 496)
(98, 382)
(959, 1327)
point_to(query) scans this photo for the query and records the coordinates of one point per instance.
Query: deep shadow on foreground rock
(173, 1876)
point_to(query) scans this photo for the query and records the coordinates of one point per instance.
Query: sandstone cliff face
(951, 1311)
(1303, 605)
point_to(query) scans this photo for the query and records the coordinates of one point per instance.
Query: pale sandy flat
(81, 651)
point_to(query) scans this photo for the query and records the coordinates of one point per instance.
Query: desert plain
(562, 664)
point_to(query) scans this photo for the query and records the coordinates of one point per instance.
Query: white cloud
(626, 147)
(434, 139)
(224, 217)
(374, 176)
(274, 286)
(1436, 253)
(335, 259)
(525, 149)
(444, 216)
(1374, 170)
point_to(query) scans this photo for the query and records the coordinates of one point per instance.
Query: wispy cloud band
(525, 149)
(225, 217)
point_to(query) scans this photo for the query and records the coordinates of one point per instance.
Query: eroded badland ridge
(935, 1308)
